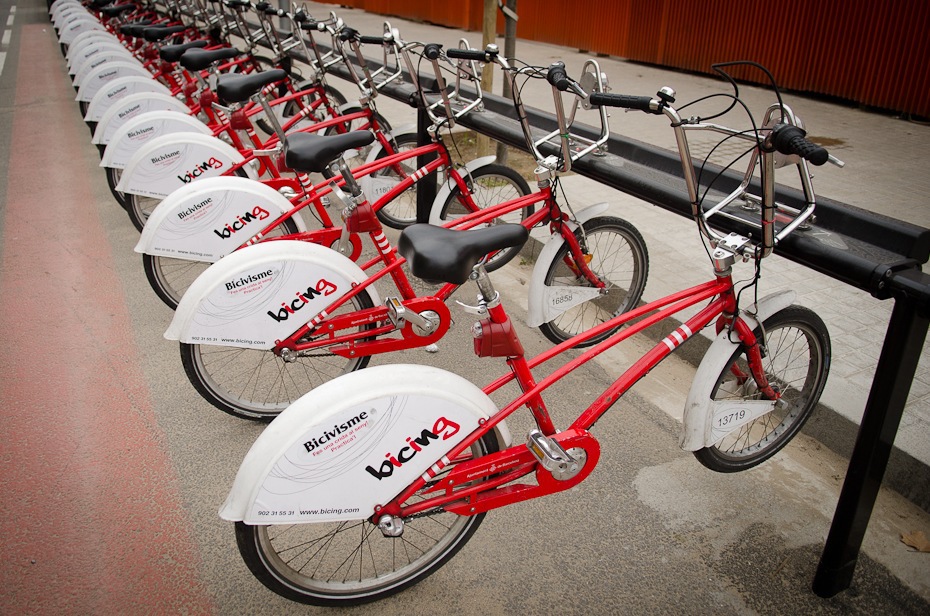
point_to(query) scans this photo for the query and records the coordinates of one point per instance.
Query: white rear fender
(90, 53)
(263, 293)
(354, 443)
(105, 73)
(69, 16)
(141, 98)
(138, 131)
(207, 220)
(90, 48)
(443, 192)
(86, 39)
(167, 163)
(60, 7)
(705, 422)
(544, 303)
(94, 62)
(71, 31)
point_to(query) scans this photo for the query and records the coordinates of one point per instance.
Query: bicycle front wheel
(490, 185)
(796, 362)
(348, 563)
(401, 211)
(616, 253)
(170, 277)
(258, 385)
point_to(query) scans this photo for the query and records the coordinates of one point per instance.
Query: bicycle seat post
(489, 297)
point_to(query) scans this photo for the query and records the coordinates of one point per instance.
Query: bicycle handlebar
(478, 55)
(625, 101)
(788, 139)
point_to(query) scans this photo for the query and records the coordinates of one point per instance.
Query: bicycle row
(276, 320)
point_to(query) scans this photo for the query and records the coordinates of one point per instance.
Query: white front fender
(701, 412)
(323, 458)
(545, 303)
(263, 293)
(443, 192)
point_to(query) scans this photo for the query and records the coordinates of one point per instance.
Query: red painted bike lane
(90, 513)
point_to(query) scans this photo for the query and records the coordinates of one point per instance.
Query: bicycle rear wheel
(170, 277)
(796, 362)
(616, 253)
(348, 563)
(258, 385)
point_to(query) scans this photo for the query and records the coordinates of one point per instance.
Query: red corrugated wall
(873, 53)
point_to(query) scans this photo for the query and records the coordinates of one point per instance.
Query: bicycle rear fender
(93, 63)
(141, 99)
(355, 443)
(93, 55)
(138, 131)
(207, 220)
(699, 425)
(106, 73)
(77, 57)
(89, 39)
(70, 31)
(167, 163)
(119, 90)
(263, 293)
(545, 303)
(443, 192)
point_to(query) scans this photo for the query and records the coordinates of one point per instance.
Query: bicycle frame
(476, 486)
(358, 343)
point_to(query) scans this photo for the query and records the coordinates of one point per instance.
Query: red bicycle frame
(476, 486)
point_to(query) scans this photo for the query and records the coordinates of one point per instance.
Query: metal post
(426, 187)
(897, 364)
(510, 52)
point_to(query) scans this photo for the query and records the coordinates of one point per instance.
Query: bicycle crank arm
(580, 442)
(410, 336)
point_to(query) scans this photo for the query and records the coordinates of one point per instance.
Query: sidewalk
(884, 173)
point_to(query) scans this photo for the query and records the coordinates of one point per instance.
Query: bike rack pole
(894, 374)
(426, 187)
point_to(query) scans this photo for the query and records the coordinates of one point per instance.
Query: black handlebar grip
(371, 40)
(789, 139)
(469, 54)
(432, 51)
(624, 101)
(261, 6)
(348, 34)
(300, 17)
(556, 76)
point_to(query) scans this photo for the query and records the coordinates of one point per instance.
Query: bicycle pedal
(552, 457)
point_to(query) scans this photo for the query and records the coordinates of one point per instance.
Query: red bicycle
(372, 481)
